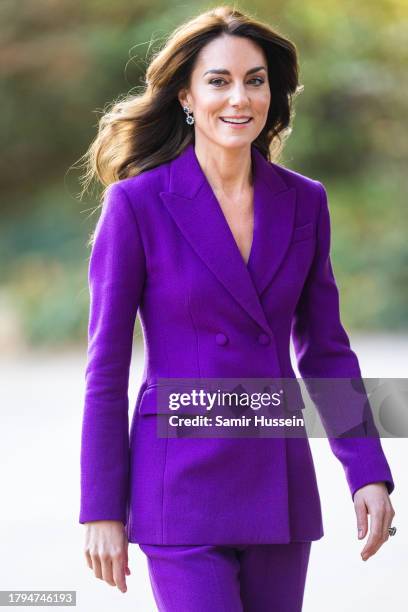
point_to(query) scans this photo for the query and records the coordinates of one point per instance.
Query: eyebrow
(224, 71)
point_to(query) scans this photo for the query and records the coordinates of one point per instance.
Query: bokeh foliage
(62, 62)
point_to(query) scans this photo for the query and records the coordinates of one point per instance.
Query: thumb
(362, 522)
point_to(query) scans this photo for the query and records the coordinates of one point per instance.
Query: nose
(238, 96)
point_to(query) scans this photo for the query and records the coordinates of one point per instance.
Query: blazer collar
(192, 203)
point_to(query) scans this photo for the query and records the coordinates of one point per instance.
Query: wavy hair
(142, 131)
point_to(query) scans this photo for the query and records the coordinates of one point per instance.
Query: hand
(373, 499)
(106, 551)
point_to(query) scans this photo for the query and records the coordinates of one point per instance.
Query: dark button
(264, 339)
(221, 339)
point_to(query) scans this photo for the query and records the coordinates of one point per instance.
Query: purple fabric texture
(260, 578)
(163, 249)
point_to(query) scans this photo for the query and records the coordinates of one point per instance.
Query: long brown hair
(142, 131)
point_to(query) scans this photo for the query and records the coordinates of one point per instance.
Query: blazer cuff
(87, 515)
(368, 471)
(363, 461)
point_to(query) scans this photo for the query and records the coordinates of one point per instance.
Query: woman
(225, 254)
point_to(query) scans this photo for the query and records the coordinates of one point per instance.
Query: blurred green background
(61, 62)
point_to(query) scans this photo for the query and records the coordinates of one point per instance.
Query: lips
(236, 120)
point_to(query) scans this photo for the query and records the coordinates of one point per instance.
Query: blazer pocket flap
(302, 232)
(148, 402)
(155, 400)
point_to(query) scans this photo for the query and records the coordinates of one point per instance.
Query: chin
(234, 143)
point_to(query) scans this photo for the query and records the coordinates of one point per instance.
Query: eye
(213, 81)
(219, 80)
(259, 80)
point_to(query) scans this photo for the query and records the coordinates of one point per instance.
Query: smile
(236, 121)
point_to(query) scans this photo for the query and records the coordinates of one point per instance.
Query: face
(229, 80)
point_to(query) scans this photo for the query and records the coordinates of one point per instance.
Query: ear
(182, 97)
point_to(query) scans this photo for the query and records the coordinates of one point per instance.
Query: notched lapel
(275, 219)
(192, 203)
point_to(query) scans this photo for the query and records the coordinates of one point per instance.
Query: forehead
(231, 52)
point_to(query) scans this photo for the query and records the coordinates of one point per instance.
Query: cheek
(207, 103)
(208, 113)
(262, 102)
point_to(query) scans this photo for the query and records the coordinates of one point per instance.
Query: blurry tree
(61, 62)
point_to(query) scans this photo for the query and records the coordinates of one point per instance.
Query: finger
(362, 519)
(126, 561)
(389, 515)
(375, 537)
(385, 525)
(107, 573)
(118, 566)
(96, 564)
(88, 559)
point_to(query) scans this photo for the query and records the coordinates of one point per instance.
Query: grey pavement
(42, 541)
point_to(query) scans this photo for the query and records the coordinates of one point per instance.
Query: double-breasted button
(221, 339)
(264, 339)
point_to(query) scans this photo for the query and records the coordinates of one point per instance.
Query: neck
(228, 170)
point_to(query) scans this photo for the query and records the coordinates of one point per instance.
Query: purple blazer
(163, 248)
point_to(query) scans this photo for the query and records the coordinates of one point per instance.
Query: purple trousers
(253, 578)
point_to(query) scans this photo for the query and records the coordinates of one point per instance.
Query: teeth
(235, 120)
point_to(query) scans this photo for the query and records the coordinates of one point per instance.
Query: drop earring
(189, 118)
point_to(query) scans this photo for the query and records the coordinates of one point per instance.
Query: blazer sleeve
(323, 350)
(116, 275)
